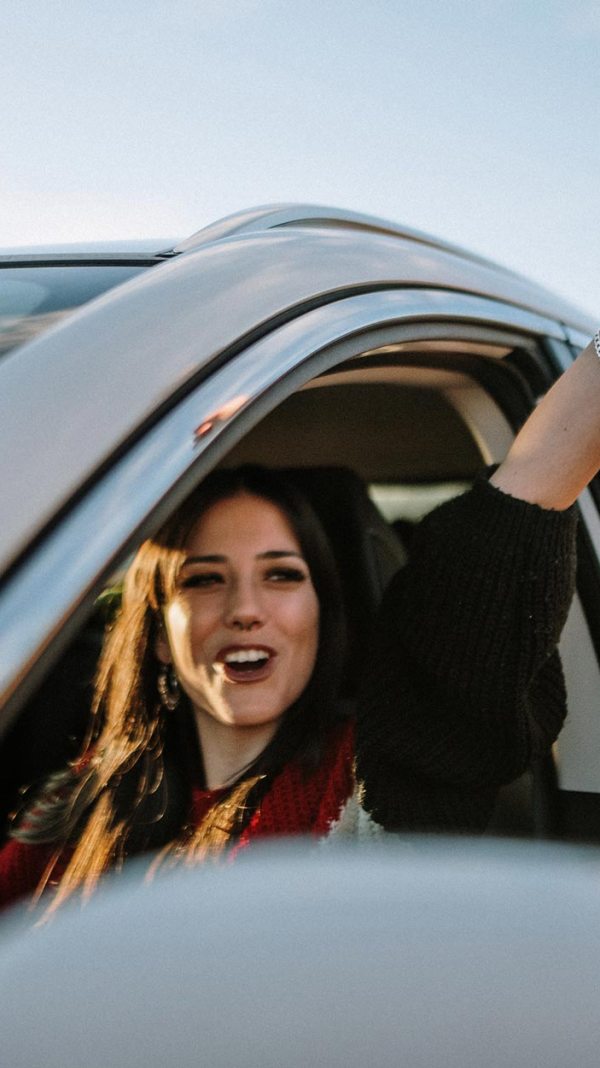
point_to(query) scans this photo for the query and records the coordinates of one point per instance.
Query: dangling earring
(168, 687)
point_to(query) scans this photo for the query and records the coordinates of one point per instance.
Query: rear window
(32, 299)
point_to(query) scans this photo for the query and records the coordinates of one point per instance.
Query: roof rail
(274, 216)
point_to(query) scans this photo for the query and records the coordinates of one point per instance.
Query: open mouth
(247, 664)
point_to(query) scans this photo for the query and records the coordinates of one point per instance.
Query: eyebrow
(217, 558)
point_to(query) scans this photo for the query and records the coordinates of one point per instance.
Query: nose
(244, 610)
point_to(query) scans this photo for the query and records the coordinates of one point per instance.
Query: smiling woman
(194, 751)
(221, 670)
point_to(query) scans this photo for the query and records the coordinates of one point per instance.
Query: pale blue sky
(477, 121)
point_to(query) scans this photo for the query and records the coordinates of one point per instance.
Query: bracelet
(597, 343)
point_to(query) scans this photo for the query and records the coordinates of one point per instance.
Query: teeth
(245, 656)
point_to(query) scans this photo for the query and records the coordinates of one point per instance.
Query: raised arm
(557, 451)
(463, 686)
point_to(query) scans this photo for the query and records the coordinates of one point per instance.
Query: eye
(202, 580)
(285, 574)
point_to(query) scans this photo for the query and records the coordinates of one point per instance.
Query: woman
(216, 693)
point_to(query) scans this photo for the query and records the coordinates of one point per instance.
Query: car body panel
(437, 953)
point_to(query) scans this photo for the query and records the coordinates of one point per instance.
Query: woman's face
(242, 629)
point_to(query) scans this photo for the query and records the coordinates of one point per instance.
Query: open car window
(393, 429)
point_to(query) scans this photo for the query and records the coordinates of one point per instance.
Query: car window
(410, 502)
(413, 436)
(352, 438)
(34, 298)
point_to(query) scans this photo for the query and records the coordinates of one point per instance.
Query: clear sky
(478, 121)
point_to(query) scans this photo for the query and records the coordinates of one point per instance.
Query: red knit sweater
(297, 803)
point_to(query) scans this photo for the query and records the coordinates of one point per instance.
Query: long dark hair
(131, 789)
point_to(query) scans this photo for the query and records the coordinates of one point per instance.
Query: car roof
(71, 397)
(275, 216)
(80, 251)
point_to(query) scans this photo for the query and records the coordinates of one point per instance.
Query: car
(385, 363)
(390, 368)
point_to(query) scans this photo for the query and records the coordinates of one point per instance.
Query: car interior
(374, 444)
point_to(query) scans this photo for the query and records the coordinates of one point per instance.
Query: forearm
(557, 451)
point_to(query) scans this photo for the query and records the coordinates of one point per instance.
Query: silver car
(302, 337)
(369, 358)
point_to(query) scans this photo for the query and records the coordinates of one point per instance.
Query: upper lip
(242, 647)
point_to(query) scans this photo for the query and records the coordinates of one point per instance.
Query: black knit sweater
(463, 687)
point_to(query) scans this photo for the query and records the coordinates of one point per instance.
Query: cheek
(304, 653)
(187, 630)
(305, 626)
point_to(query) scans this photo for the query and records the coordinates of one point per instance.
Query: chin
(254, 719)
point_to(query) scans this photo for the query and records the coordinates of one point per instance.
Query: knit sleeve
(463, 687)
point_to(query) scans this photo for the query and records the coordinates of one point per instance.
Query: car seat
(367, 550)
